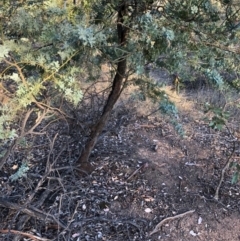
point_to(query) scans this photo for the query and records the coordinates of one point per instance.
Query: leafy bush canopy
(55, 45)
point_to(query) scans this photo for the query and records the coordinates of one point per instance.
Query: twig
(49, 123)
(29, 112)
(48, 169)
(216, 196)
(144, 165)
(73, 214)
(34, 211)
(159, 225)
(48, 165)
(22, 134)
(146, 126)
(22, 77)
(43, 106)
(37, 122)
(25, 218)
(31, 236)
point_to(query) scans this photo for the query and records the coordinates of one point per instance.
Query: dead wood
(32, 211)
(159, 225)
(29, 235)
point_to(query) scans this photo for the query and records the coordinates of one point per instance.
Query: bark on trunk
(114, 94)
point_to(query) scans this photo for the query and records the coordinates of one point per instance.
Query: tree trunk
(114, 94)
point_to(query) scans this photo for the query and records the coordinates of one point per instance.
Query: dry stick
(37, 122)
(19, 71)
(48, 165)
(74, 212)
(23, 133)
(144, 165)
(216, 196)
(23, 126)
(49, 123)
(25, 218)
(159, 225)
(33, 237)
(34, 212)
(42, 105)
(6, 155)
(48, 169)
(72, 219)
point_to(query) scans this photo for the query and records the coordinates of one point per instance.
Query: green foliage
(236, 84)
(21, 172)
(47, 45)
(7, 132)
(215, 78)
(167, 107)
(138, 96)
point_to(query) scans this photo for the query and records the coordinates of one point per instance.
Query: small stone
(148, 210)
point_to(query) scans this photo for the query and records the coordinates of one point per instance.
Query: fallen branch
(33, 212)
(159, 225)
(31, 236)
(25, 218)
(216, 196)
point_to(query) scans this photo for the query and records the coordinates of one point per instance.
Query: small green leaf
(235, 177)
(219, 126)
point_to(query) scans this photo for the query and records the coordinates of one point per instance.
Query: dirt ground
(144, 180)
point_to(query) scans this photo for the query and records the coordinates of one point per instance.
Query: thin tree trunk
(114, 94)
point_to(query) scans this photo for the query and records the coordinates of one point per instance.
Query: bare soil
(141, 172)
